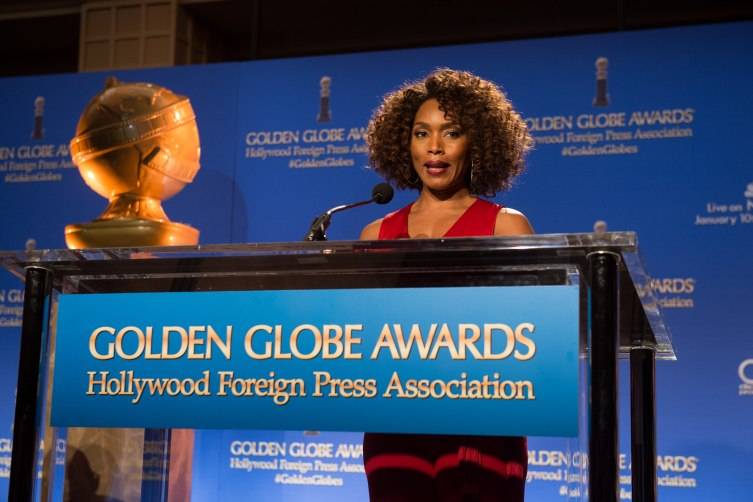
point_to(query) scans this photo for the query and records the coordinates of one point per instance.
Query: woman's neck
(429, 198)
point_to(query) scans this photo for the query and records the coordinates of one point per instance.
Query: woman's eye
(453, 133)
(419, 134)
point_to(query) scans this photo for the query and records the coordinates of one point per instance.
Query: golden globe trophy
(136, 144)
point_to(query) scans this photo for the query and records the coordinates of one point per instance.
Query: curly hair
(498, 137)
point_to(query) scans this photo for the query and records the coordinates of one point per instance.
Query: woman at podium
(452, 137)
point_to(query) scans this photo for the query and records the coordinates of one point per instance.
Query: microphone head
(382, 193)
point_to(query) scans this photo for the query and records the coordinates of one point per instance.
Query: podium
(616, 315)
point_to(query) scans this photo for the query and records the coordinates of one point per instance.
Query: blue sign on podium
(472, 360)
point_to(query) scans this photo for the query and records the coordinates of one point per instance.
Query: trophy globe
(136, 144)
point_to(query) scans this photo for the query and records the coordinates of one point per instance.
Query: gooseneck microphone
(381, 194)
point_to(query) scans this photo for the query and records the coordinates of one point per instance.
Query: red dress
(477, 220)
(433, 468)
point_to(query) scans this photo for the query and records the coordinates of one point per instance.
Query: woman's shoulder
(512, 222)
(371, 231)
(393, 226)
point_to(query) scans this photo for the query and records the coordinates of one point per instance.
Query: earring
(473, 173)
(413, 181)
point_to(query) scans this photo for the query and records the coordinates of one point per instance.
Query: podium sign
(450, 360)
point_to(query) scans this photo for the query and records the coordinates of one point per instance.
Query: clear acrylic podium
(619, 317)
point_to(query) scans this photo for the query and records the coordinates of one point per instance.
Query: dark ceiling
(41, 36)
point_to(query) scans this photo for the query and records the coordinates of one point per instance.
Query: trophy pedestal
(129, 232)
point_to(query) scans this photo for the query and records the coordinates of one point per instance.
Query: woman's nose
(435, 144)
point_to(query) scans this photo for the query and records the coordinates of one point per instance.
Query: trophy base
(129, 232)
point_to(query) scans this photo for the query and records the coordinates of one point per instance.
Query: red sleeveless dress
(478, 220)
(438, 468)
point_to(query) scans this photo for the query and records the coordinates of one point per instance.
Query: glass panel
(500, 260)
(135, 464)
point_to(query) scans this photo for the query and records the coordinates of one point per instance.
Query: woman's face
(439, 148)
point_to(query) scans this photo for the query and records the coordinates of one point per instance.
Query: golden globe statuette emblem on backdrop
(602, 95)
(136, 144)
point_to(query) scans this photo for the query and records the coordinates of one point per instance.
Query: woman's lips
(436, 167)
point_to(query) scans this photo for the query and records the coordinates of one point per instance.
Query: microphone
(381, 194)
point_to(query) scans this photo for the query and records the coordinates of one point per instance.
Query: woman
(452, 136)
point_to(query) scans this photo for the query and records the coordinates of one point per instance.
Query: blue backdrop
(669, 156)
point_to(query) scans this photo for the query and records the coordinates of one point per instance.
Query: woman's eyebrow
(445, 125)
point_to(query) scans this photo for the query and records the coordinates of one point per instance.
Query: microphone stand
(319, 226)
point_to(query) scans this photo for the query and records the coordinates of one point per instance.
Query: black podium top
(525, 260)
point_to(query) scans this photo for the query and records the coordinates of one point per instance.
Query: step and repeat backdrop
(646, 131)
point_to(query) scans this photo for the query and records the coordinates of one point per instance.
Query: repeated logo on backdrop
(38, 132)
(619, 132)
(673, 292)
(11, 307)
(325, 114)
(35, 160)
(6, 447)
(32, 163)
(613, 133)
(567, 470)
(302, 462)
(602, 96)
(745, 372)
(320, 146)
